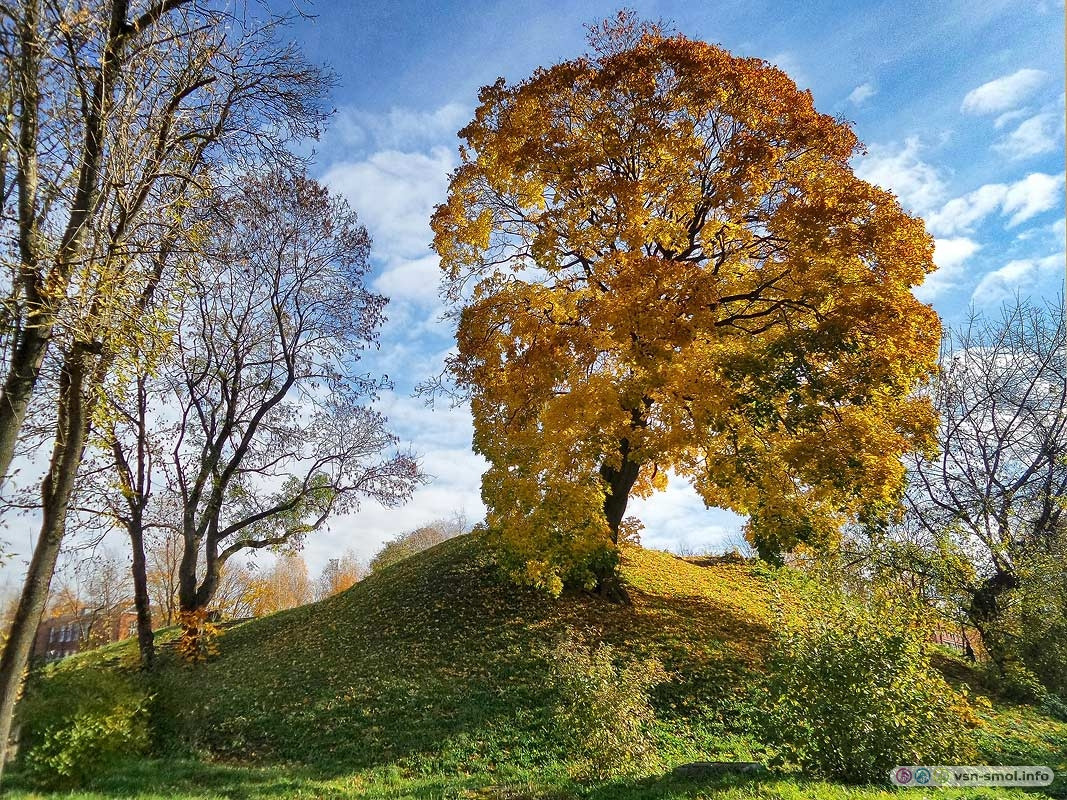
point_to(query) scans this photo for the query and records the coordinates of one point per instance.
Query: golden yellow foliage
(659, 258)
(199, 637)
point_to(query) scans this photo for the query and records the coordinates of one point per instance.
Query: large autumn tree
(659, 259)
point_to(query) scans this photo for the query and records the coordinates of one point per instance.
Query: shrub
(418, 540)
(604, 715)
(79, 722)
(1033, 629)
(850, 693)
(1014, 681)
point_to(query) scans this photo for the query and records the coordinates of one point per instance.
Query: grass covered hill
(429, 680)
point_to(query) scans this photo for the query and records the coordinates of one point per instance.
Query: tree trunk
(72, 427)
(15, 397)
(620, 481)
(985, 611)
(146, 642)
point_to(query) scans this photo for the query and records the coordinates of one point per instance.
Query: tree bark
(146, 642)
(620, 481)
(72, 427)
(986, 610)
(18, 391)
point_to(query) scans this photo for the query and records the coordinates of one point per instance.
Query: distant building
(59, 637)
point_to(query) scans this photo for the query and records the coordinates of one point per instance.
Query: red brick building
(58, 637)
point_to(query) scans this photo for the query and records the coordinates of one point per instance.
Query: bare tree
(235, 595)
(120, 115)
(275, 432)
(95, 587)
(163, 554)
(993, 499)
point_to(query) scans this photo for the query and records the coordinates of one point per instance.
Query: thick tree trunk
(620, 481)
(146, 642)
(986, 610)
(72, 427)
(194, 597)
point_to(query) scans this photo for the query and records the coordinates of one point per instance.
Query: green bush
(79, 722)
(1034, 626)
(1015, 681)
(850, 693)
(604, 716)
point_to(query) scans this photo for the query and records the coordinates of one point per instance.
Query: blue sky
(961, 106)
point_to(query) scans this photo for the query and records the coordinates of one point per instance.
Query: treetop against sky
(960, 106)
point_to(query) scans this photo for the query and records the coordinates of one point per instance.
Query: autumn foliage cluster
(660, 261)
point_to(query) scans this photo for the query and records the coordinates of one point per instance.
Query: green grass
(427, 681)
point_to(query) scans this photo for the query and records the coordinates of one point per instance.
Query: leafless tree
(274, 430)
(120, 115)
(993, 498)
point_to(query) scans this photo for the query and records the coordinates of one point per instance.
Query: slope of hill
(428, 680)
(436, 658)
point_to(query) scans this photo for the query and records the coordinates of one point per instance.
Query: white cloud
(1058, 229)
(1004, 93)
(677, 518)
(961, 213)
(1009, 117)
(861, 93)
(1019, 275)
(398, 128)
(1036, 193)
(394, 194)
(1039, 134)
(414, 280)
(900, 169)
(949, 255)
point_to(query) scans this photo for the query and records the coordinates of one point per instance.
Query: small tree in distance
(659, 258)
(422, 538)
(339, 574)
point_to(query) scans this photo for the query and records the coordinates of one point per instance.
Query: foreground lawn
(190, 780)
(428, 680)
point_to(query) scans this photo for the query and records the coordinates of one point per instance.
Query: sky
(960, 106)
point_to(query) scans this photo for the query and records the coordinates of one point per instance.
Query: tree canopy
(659, 259)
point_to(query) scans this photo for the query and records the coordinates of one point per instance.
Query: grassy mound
(428, 680)
(435, 660)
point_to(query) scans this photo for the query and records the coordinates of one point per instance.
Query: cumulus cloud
(950, 255)
(862, 93)
(1004, 93)
(1009, 116)
(394, 193)
(398, 128)
(414, 280)
(1019, 275)
(677, 518)
(1026, 198)
(899, 168)
(1039, 134)
(1033, 195)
